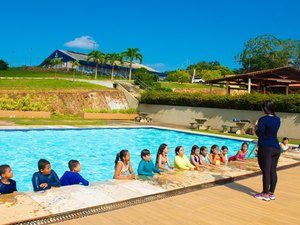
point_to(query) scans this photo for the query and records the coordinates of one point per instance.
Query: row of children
(46, 178)
(199, 157)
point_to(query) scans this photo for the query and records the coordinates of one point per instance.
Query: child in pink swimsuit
(241, 154)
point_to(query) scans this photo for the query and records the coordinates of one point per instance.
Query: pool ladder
(254, 147)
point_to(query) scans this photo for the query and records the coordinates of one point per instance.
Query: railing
(143, 84)
(253, 149)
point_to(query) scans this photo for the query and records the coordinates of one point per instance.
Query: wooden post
(287, 89)
(249, 85)
(210, 89)
(227, 88)
(265, 89)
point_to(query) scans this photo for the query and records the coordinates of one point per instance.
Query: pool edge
(80, 213)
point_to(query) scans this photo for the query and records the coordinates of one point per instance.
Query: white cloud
(83, 42)
(156, 65)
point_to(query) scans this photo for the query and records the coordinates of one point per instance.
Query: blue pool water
(94, 148)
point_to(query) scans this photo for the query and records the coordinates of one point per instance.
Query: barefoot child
(73, 177)
(7, 185)
(241, 154)
(181, 161)
(146, 166)
(162, 158)
(123, 166)
(214, 157)
(45, 178)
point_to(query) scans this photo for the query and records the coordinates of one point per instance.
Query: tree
(267, 52)
(74, 64)
(56, 62)
(213, 65)
(132, 54)
(96, 56)
(103, 61)
(210, 74)
(181, 76)
(113, 58)
(145, 79)
(47, 63)
(3, 65)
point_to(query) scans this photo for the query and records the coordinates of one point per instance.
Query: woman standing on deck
(266, 129)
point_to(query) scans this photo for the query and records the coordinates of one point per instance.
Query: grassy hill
(46, 84)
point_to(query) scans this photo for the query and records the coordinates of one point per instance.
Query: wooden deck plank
(227, 204)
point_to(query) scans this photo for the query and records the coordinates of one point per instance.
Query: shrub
(283, 103)
(180, 76)
(147, 80)
(3, 65)
(25, 103)
(126, 111)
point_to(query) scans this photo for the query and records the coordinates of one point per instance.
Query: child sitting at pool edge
(73, 177)
(223, 154)
(45, 178)
(181, 161)
(194, 157)
(162, 159)
(123, 165)
(214, 157)
(7, 185)
(241, 154)
(146, 166)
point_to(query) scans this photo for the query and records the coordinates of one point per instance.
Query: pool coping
(60, 127)
(80, 213)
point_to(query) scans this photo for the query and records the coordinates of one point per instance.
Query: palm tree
(96, 57)
(74, 64)
(55, 62)
(113, 58)
(103, 61)
(132, 54)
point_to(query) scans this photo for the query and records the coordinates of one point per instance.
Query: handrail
(143, 84)
(253, 149)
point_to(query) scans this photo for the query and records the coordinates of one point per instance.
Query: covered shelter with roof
(282, 79)
(89, 67)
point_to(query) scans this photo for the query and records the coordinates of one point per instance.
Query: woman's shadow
(241, 188)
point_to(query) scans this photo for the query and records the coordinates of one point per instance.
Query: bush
(180, 76)
(283, 103)
(3, 65)
(147, 80)
(25, 103)
(125, 111)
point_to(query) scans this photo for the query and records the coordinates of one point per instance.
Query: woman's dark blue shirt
(268, 127)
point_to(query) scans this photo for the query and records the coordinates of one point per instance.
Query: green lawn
(21, 72)
(172, 85)
(45, 84)
(66, 123)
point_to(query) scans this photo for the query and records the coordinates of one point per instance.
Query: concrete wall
(132, 101)
(182, 115)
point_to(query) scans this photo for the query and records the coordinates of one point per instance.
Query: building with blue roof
(121, 70)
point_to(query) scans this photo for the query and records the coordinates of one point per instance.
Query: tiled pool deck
(77, 201)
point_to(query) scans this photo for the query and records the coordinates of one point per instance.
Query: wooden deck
(228, 204)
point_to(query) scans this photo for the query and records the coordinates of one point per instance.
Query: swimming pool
(95, 148)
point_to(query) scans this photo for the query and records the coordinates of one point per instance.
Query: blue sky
(170, 34)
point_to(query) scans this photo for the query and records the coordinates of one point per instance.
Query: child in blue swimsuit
(194, 157)
(7, 185)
